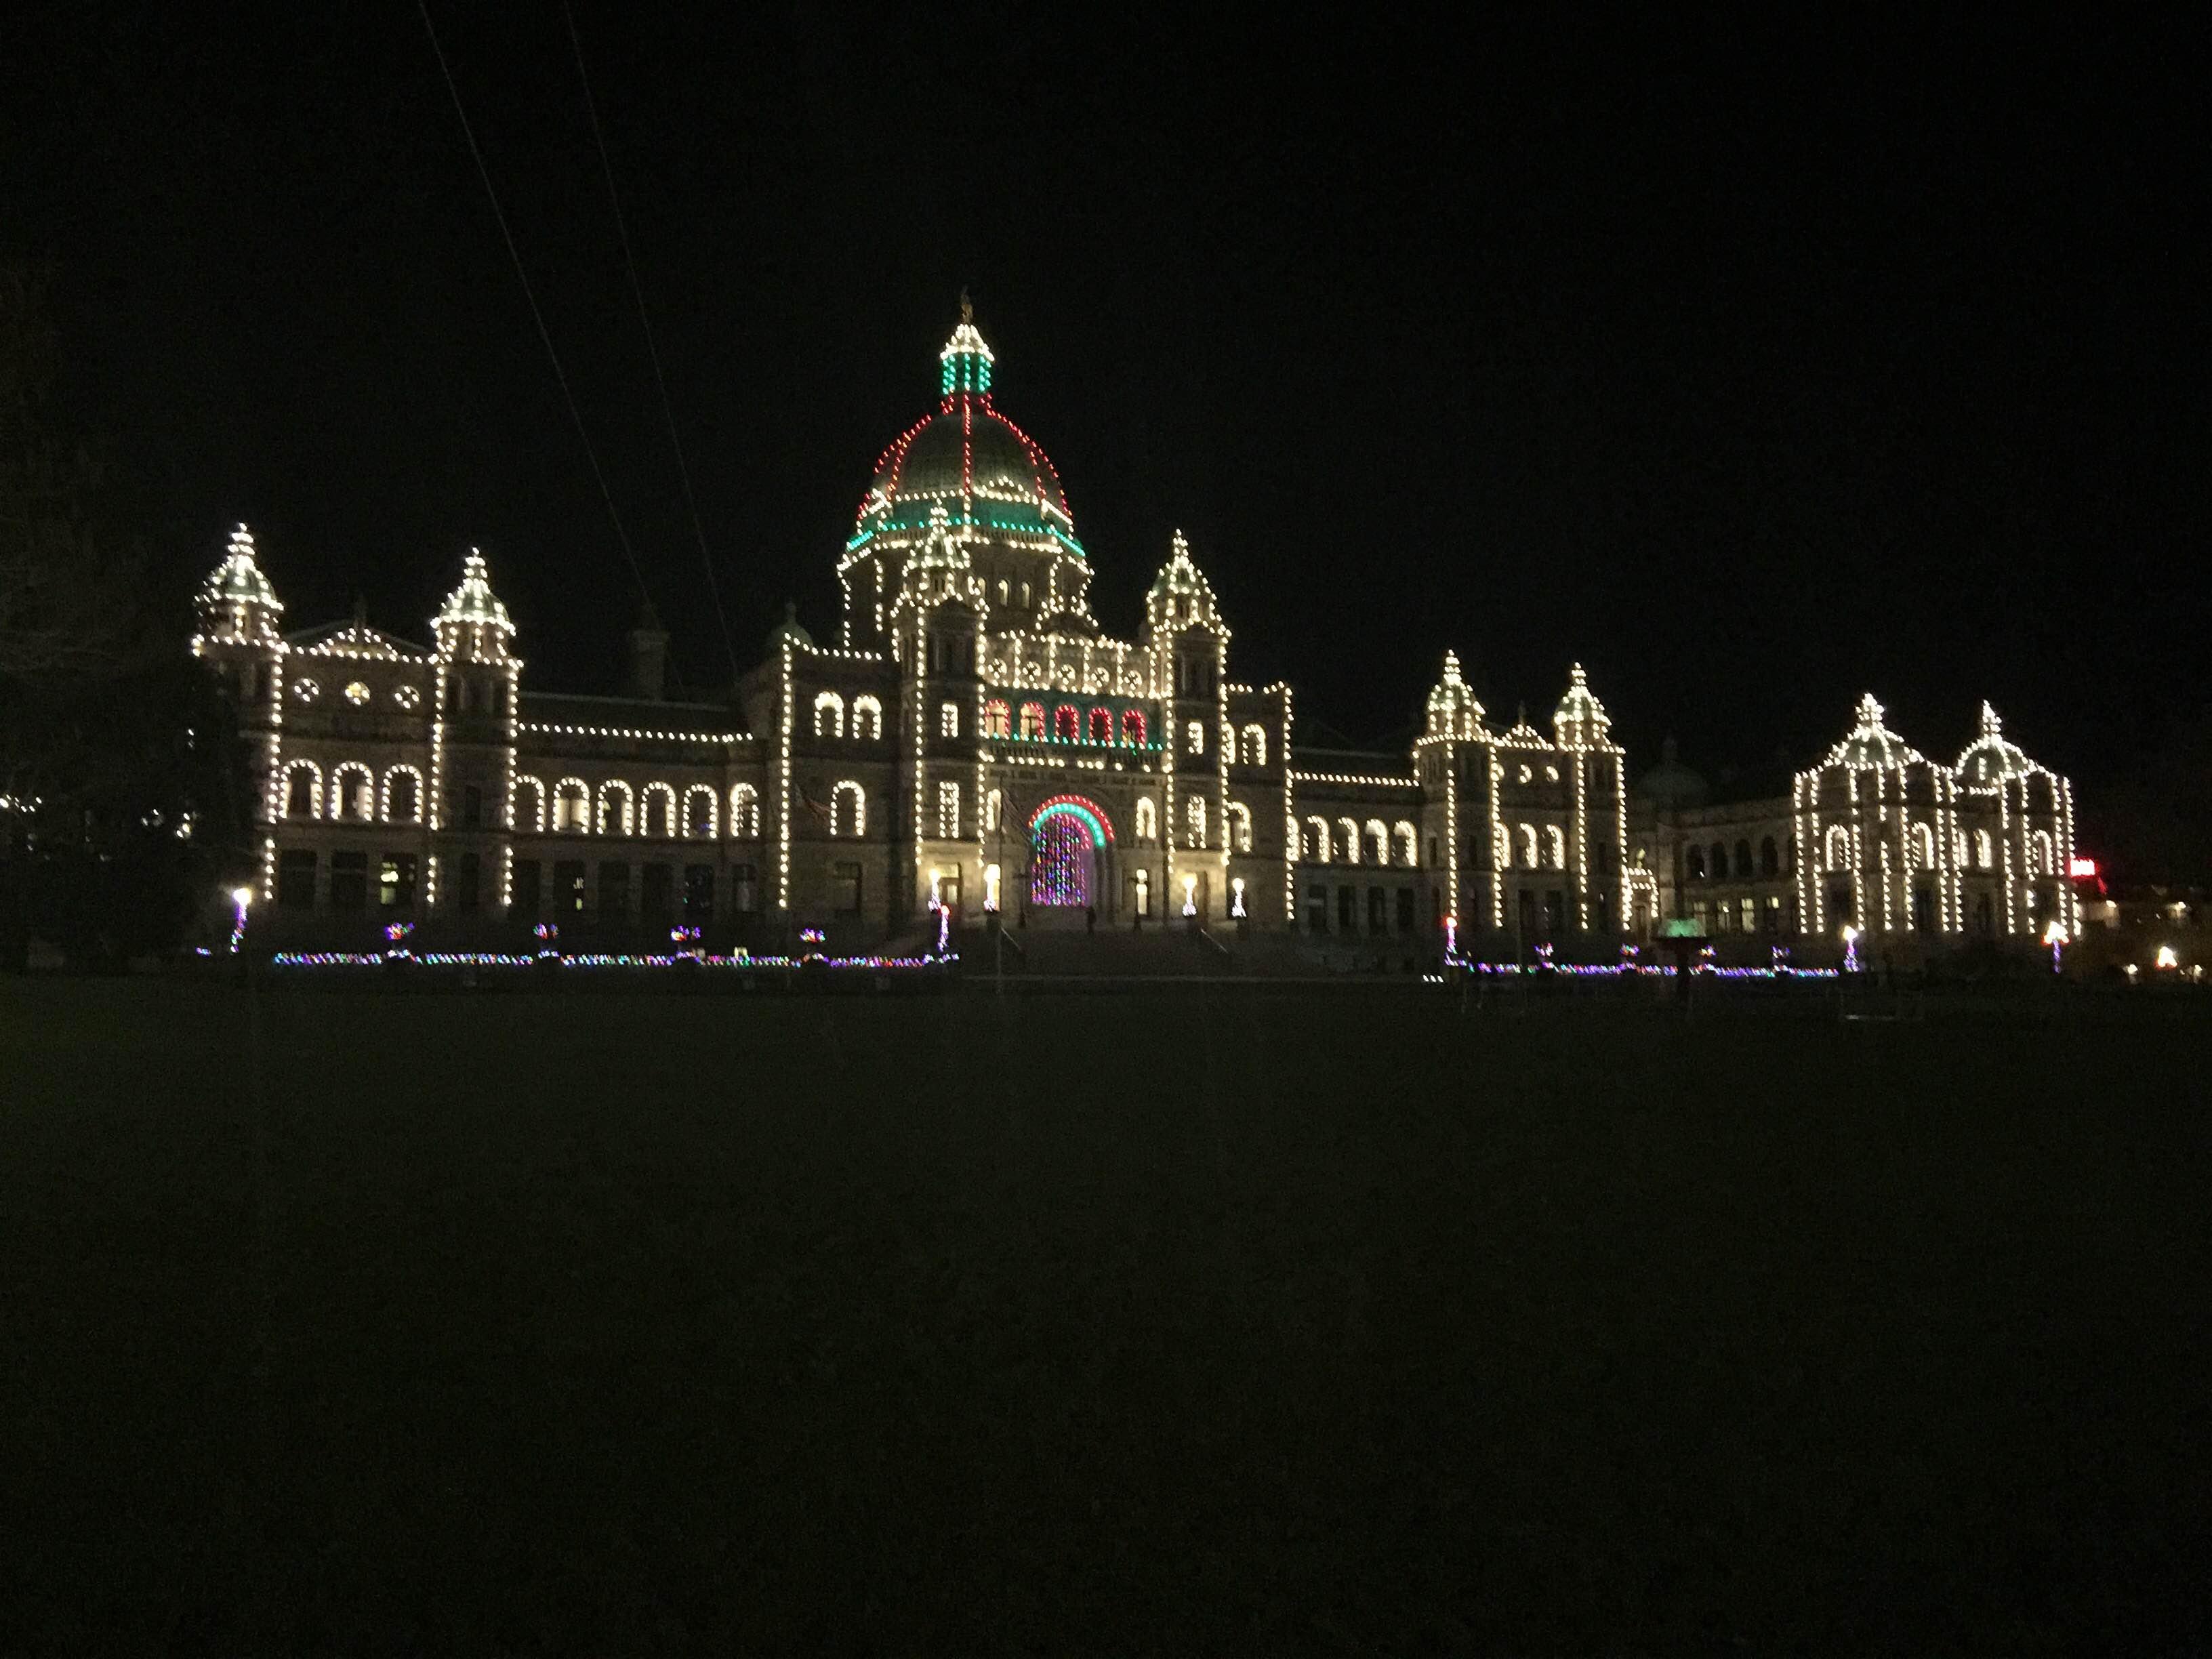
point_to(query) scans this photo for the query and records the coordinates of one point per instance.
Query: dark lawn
(1190, 1321)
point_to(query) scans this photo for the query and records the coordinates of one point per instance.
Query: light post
(241, 898)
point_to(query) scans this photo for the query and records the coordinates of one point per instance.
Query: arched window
(1228, 742)
(1555, 847)
(867, 718)
(353, 791)
(948, 719)
(700, 822)
(1716, 862)
(1985, 851)
(1529, 847)
(1194, 821)
(848, 810)
(1694, 863)
(1743, 858)
(990, 809)
(402, 798)
(617, 808)
(829, 715)
(529, 805)
(659, 801)
(572, 807)
(1255, 745)
(997, 718)
(1132, 727)
(1923, 845)
(303, 790)
(1290, 839)
(745, 812)
(1770, 862)
(1837, 848)
(1378, 843)
(1240, 826)
(1347, 839)
(1033, 722)
(2040, 858)
(1409, 844)
(1501, 846)
(1148, 819)
(1064, 723)
(1317, 847)
(1102, 725)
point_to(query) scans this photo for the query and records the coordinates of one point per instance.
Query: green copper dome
(989, 476)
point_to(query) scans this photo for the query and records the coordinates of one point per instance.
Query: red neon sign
(2082, 869)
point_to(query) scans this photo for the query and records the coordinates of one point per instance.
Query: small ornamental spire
(967, 307)
(472, 621)
(1453, 710)
(1869, 713)
(1991, 726)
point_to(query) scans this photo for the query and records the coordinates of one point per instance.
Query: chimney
(648, 656)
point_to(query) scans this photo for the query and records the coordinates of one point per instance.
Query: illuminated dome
(1872, 746)
(1989, 761)
(999, 493)
(1453, 709)
(988, 475)
(238, 579)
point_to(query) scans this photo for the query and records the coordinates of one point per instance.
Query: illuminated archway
(1066, 835)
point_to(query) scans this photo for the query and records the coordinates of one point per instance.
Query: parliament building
(974, 742)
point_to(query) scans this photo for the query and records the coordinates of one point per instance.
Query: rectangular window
(1193, 737)
(1378, 911)
(698, 895)
(845, 888)
(1527, 912)
(745, 888)
(1405, 909)
(527, 898)
(657, 893)
(1347, 909)
(569, 887)
(1141, 891)
(1750, 909)
(1701, 916)
(349, 881)
(1317, 909)
(614, 889)
(395, 886)
(1771, 919)
(295, 881)
(948, 809)
(468, 882)
(948, 719)
(471, 807)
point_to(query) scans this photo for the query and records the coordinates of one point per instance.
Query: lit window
(948, 719)
(1193, 737)
(1132, 727)
(1142, 880)
(997, 721)
(1148, 819)
(829, 715)
(1033, 722)
(1194, 821)
(848, 810)
(867, 718)
(357, 694)
(948, 810)
(991, 812)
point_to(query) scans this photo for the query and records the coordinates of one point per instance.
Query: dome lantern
(965, 362)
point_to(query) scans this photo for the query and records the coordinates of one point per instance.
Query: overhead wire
(652, 346)
(599, 473)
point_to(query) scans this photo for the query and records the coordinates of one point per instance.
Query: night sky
(1751, 369)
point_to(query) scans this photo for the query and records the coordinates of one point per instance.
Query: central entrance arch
(1069, 838)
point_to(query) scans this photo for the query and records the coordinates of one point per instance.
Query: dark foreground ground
(1175, 1321)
